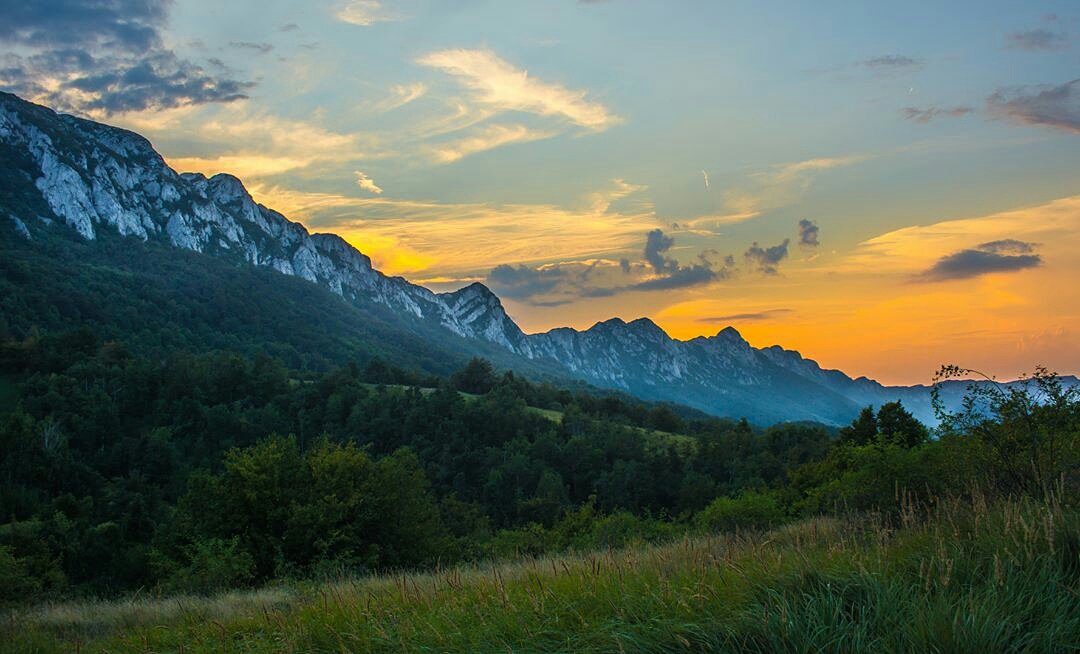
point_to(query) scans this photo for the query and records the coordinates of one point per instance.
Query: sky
(885, 187)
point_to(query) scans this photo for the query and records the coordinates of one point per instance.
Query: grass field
(956, 577)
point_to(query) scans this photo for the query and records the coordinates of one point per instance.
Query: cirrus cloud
(497, 84)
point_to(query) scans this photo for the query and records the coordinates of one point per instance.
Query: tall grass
(955, 576)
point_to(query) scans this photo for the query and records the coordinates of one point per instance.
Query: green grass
(960, 578)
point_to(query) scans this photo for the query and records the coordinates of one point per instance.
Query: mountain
(67, 175)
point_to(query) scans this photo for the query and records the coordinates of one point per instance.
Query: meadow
(947, 575)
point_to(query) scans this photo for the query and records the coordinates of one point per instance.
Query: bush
(214, 564)
(16, 582)
(748, 510)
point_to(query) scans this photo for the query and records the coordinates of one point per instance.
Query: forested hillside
(204, 471)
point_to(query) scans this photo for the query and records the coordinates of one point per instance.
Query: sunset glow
(883, 205)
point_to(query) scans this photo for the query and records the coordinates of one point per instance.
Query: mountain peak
(479, 288)
(730, 333)
(646, 325)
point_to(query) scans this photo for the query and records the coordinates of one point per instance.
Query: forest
(208, 471)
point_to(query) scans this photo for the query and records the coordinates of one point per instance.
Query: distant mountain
(66, 173)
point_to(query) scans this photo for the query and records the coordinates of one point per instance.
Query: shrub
(748, 510)
(213, 564)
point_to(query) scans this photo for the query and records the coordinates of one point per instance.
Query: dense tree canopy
(196, 471)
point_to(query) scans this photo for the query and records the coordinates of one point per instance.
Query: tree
(896, 424)
(863, 429)
(478, 376)
(1032, 427)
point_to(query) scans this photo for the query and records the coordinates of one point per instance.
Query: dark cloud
(1008, 246)
(656, 244)
(1007, 255)
(523, 282)
(261, 48)
(930, 113)
(766, 260)
(289, 27)
(808, 233)
(1038, 40)
(129, 25)
(889, 64)
(104, 55)
(760, 315)
(1048, 106)
(682, 277)
(556, 284)
(671, 274)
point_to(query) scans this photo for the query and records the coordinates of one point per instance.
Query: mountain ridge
(90, 176)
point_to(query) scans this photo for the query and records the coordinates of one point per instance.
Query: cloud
(930, 113)
(260, 48)
(656, 244)
(766, 260)
(256, 145)
(460, 239)
(706, 176)
(1007, 255)
(681, 277)
(366, 183)
(768, 314)
(601, 201)
(1008, 246)
(891, 64)
(808, 233)
(241, 166)
(289, 27)
(911, 250)
(555, 284)
(486, 138)
(101, 58)
(780, 185)
(563, 282)
(499, 85)
(364, 13)
(1049, 106)
(130, 25)
(400, 95)
(1037, 40)
(667, 273)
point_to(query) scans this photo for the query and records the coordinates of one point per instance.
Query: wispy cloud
(256, 145)
(601, 201)
(783, 184)
(930, 113)
(485, 138)
(364, 13)
(259, 48)
(753, 316)
(891, 64)
(912, 250)
(460, 239)
(498, 84)
(1048, 106)
(1037, 40)
(400, 95)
